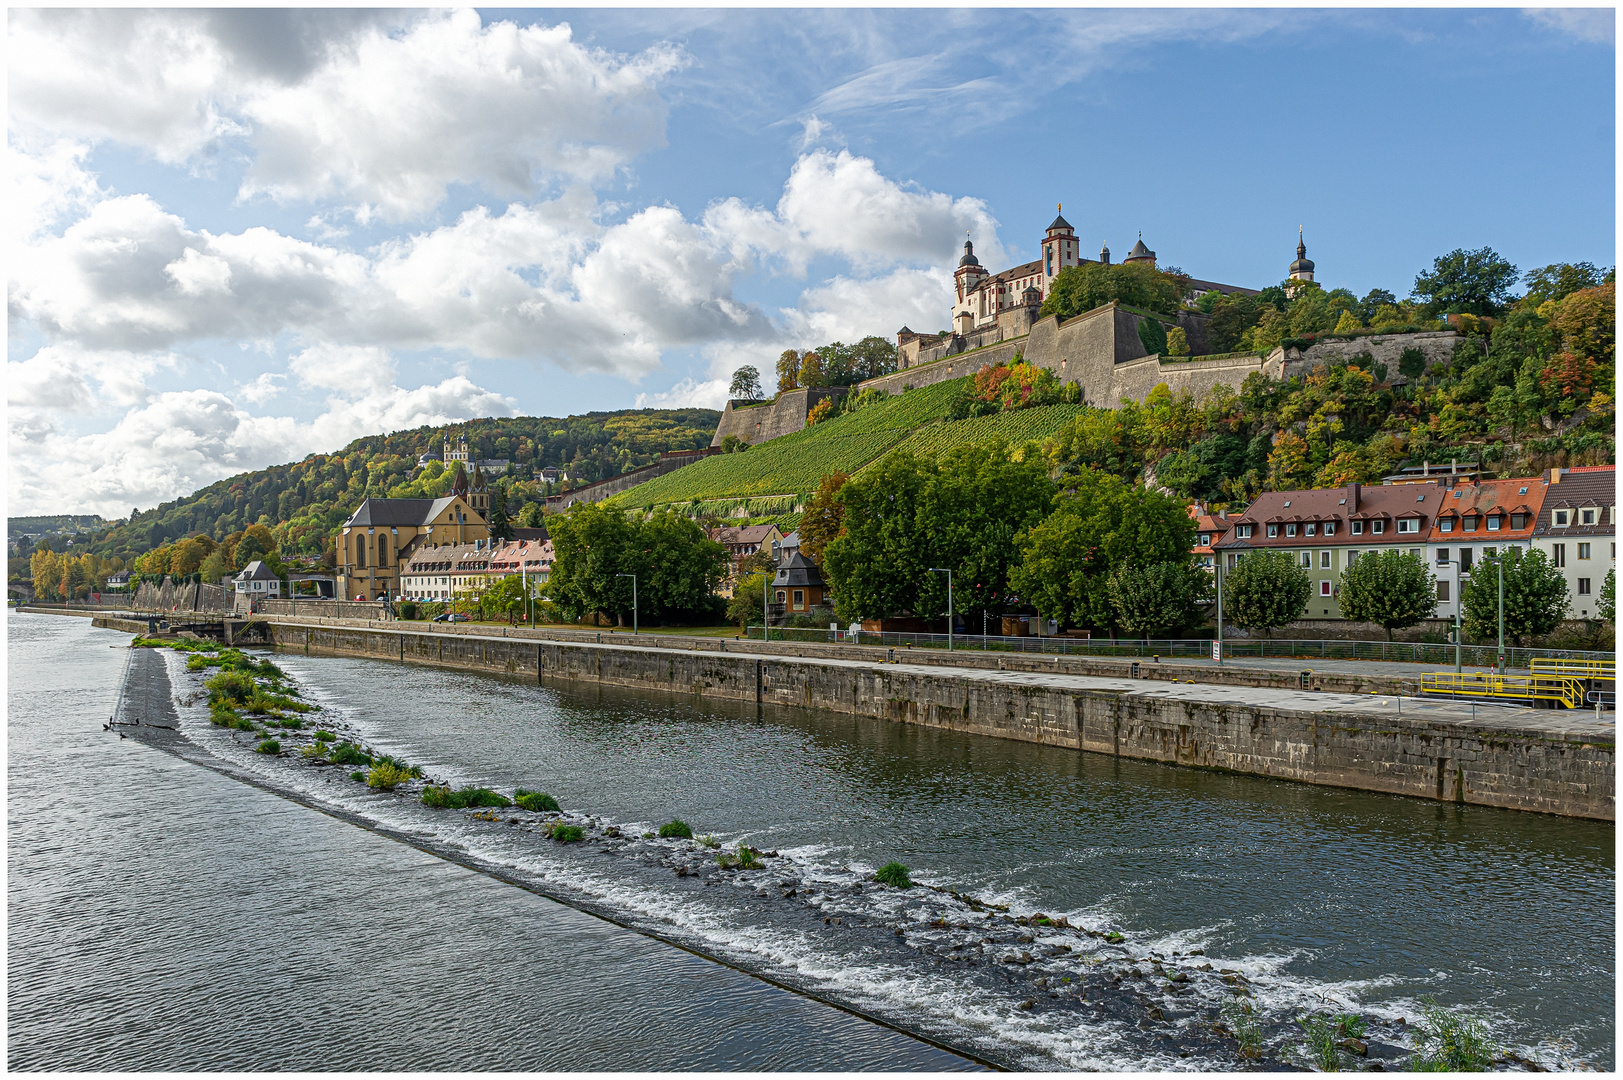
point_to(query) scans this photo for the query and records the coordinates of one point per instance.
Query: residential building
(119, 580)
(1477, 518)
(798, 587)
(383, 534)
(258, 581)
(531, 558)
(1328, 528)
(1577, 530)
(1208, 530)
(742, 541)
(443, 572)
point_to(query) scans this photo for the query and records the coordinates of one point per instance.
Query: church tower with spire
(1302, 268)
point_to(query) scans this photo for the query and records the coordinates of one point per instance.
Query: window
(780, 596)
(1446, 525)
(1518, 521)
(383, 553)
(1442, 556)
(1290, 530)
(1378, 527)
(1358, 528)
(1560, 553)
(1586, 517)
(1243, 532)
(1273, 530)
(1324, 588)
(1307, 560)
(1329, 528)
(1308, 531)
(1352, 557)
(360, 550)
(1465, 560)
(1408, 525)
(1324, 560)
(1442, 591)
(1470, 523)
(1583, 586)
(1583, 551)
(1205, 539)
(1561, 518)
(800, 598)
(1493, 522)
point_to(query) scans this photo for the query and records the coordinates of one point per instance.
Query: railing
(1200, 648)
(1583, 669)
(1562, 690)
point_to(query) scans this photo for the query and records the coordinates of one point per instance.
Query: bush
(1446, 1042)
(894, 874)
(413, 771)
(291, 722)
(268, 746)
(347, 753)
(326, 736)
(407, 609)
(318, 752)
(443, 798)
(566, 834)
(385, 777)
(746, 858)
(222, 714)
(534, 800)
(676, 829)
(241, 723)
(231, 687)
(357, 775)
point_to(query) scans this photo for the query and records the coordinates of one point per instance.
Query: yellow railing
(1579, 669)
(1564, 689)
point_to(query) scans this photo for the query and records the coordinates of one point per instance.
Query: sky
(240, 237)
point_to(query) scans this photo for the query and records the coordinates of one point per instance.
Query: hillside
(304, 501)
(772, 479)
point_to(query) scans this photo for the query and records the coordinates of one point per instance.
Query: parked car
(452, 616)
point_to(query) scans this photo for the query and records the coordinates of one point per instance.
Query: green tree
(531, 516)
(678, 568)
(1559, 280)
(1466, 282)
(1177, 342)
(1151, 600)
(747, 600)
(504, 598)
(500, 527)
(1265, 590)
(1100, 523)
(1606, 604)
(746, 384)
(1078, 289)
(1535, 597)
(788, 370)
(591, 545)
(824, 519)
(1391, 588)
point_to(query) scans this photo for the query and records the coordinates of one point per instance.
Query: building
(382, 534)
(1208, 530)
(493, 466)
(550, 474)
(530, 558)
(1477, 518)
(797, 588)
(1577, 529)
(742, 541)
(119, 580)
(258, 581)
(1302, 268)
(442, 572)
(1328, 528)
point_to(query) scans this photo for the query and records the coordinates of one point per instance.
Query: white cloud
(353, 370)
(1598, 25)
(849, 309)
(262, 389)
(688, 394)
(66, 378)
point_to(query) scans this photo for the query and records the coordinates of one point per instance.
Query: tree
(530, 517)
(1391, 588)
(215, 566)
(1078, 289)
(748, 599)
(1535, 597)
(824, 519)
(788, 370)
(504, 597)
(811, 370)
(591, 544)
(1606, 604)
(877, 564)
(1100, 523)
(1372, 303)
(500, 527)
(1265, 590)
(1150, 600)
(248, 549)
(746, 384)
(1177, 342)
(1466, 282)
(186, 557)
(678, 568)
(1559, 280)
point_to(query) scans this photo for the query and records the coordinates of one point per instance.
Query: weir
(1546, 761)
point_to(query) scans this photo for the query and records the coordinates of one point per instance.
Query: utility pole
(1217, 650)
(766, 600)
(633, 578)
(938, 570)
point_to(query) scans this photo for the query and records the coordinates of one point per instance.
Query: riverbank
(1539, 760)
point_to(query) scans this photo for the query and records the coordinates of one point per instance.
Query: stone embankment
(1263, 723)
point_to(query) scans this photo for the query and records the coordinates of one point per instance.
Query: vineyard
(795, 464)
(1015, 428)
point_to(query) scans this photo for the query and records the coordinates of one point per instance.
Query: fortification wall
(1438, 346)
(1137, 378)
(605, 489)
(782, 416)
(952, 367)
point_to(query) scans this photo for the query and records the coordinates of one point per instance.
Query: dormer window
(1290, 530)
(1378, 527)
(1586, 517)
(1493, 522)
(1406, 525)
(1329, 528)
(1470, 523)
(1273, 531)
(1243, 532)
(1561, 518)
(1309, 530)
(1446, 525)
(1518, 521)
(1358, 528)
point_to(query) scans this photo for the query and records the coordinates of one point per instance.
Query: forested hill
(303, 502)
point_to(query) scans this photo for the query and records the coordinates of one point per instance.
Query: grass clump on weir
(443, 798)
(746, 858)
(1450, 1042)
(565, 834)
(347, 753)
(676, 829)
(894, 874)
(1242, 1020)
(268, 746)
(536, 801)
(386, 776)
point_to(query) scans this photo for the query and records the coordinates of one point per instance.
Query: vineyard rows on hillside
(1015, 428)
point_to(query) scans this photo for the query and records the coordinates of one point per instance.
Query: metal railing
(1199, 648)
(1583, 669)
(1560, 689)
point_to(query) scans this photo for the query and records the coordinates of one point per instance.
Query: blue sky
(243, 237)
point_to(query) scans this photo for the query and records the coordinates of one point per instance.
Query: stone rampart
(955, 366)
(756, 423)
(1437, 345)
(1512, 759)
(669, 461)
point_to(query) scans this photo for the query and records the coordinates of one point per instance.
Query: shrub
(357, 775)
(534, 800)
(291, 722)
(894, 874)
(746, 858)
(231, 687)
(326, 736)
(347, 753)
(566, 834)
(222, 714)
(268, 746)
(1446, 1042)
(413, 771)
(242, 723)
(443, 798)
(407, 609)
(315, 753)
(385, 777)
(676, 829)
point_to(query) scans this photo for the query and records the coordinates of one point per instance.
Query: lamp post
(938, 570)
(1498, 559)
(766, 612)
(633, 578)
(1217, 564)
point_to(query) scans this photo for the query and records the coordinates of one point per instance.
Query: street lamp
(1498, 559)
(1217, 564)
(766, 601)
(633, 578)
(938, 570)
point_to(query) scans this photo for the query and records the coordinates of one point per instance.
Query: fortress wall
(1136, 379)
(787, 414)
(1438, 345)
(953, 367)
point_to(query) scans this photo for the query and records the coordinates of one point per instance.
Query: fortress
(996, 317)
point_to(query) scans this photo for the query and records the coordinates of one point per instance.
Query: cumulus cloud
(848, 309)
(1597, 25)
(688, 394)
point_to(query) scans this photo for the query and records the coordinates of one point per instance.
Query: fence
(1200, 648)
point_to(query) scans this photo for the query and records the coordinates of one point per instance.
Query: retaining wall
(1559, 766)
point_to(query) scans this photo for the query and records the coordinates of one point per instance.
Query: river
(231, 928)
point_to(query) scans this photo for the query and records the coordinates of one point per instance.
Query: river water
(165, 915)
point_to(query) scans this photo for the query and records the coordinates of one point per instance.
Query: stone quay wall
(1563, 768)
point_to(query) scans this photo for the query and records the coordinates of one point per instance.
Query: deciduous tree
(1535, 597)
(824, 519)
(1155, 599)
(1078, 289)
(1390, 588)
(1468, 282)
(1265, 590)
(746, 384)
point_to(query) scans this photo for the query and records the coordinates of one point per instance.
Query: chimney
(1453, 466)
(1352, 498)
(1555, 476)
(1425, 468)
